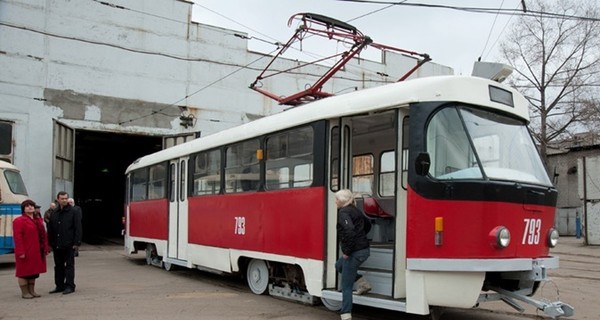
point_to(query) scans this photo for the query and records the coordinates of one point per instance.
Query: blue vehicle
(12, 193)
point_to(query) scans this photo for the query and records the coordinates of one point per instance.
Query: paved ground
(112, 285)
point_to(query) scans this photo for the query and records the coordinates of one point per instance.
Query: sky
(452, 38)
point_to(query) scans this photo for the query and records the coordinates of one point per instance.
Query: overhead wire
(498, 37)
(490, 33)
(527, 13)
(277, 43)
(311, 54)
(197, 91)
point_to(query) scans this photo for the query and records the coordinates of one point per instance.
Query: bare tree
(555, 51)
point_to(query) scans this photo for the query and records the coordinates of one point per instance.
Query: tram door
(178, 209)
(369, 156)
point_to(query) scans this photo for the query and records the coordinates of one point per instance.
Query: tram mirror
(422, 163)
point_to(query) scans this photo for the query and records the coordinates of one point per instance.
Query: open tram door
(368, 156)
(178, 214)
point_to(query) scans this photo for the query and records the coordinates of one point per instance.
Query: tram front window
(15, 182)
(499, 148)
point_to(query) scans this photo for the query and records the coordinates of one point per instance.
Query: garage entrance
(99, 181)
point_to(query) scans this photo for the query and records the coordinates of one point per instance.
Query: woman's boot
(31, 287)
(24, 284)
(25, 292)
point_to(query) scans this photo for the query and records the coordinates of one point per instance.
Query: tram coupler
(552, 309)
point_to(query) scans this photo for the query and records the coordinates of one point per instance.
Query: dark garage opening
(101, 159)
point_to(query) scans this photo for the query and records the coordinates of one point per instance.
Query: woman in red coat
(31, 247)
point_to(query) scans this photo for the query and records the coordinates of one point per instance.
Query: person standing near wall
(64, 235)
(31, 248)
(48, 212)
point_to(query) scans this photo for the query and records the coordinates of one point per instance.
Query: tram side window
(207, 173)
(290, 159)
(139, 183)
(157, 181)
(387, 165)
(362, 174)
(242, 170)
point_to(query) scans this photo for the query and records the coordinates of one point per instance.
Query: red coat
(30, 240)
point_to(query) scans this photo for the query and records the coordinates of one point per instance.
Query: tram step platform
(381, 281)
(380, 258)
(369, 299)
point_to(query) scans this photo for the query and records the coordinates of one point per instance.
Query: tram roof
(7, 165)
(465, 89)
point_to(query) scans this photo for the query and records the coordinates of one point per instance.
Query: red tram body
(444, 167)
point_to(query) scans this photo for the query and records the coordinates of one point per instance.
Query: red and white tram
(461, 205)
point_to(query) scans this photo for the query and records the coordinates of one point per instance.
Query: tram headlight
(553, 237)
(500, 237)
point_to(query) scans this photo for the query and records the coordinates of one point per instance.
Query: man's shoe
(56, 290)
(68, 291)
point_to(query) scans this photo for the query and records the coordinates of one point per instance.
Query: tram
(460, 202)
(12, 193)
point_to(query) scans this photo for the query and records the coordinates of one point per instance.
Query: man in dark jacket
(64, 236)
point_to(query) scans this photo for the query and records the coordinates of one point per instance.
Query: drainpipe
(585, 220)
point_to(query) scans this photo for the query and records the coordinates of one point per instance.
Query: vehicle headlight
(500, 237)
(553, 237)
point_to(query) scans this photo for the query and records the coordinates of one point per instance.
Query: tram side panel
(147, 224)
(8, 212)
(286, 224)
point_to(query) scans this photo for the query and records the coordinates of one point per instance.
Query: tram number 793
(531, 235)
(240, 226)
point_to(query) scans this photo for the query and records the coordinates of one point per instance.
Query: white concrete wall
(591, 178)
(593, 223)
(100, 67)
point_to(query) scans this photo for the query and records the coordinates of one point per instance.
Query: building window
(6, 141)
(63, 142)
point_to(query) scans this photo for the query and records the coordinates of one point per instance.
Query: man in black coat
(64, 236)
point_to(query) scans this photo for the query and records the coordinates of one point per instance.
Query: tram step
(380, 258)
(369, 300)
(381, 281)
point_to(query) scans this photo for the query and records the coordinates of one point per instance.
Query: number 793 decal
(240, 226)
(531, 235)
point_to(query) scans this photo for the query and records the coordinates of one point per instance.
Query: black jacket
(351, 229)
(64, 229)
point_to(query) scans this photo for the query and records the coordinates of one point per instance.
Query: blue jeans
(349, 270)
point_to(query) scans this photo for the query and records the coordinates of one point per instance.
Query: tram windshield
(15, 182)
(466, 143)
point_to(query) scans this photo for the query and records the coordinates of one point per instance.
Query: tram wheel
(168, 266)
(333, 305)
(150, 253)
(257, 276)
